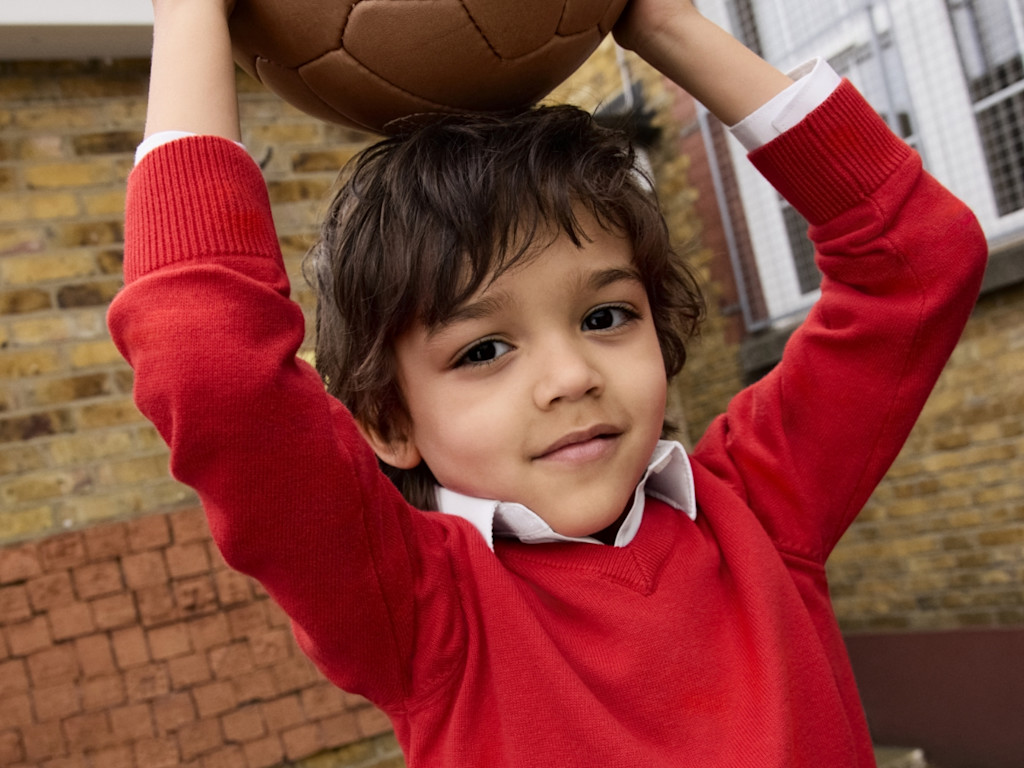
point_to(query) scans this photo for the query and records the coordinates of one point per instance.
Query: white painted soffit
(75, 29)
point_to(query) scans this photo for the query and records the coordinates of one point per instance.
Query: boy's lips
(581, 445)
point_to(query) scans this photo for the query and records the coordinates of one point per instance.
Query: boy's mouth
(581, 445)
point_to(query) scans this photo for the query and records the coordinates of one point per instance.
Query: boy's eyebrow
(490, 305)
(472, 310)
(605, 277)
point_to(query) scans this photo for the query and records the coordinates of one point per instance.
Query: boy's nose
(565, 373)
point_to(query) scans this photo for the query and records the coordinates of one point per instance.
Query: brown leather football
(372, 64)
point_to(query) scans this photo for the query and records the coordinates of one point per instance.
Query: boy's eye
(605, 318)
(487, 351)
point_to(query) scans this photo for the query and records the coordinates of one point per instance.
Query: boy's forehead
(603, 261)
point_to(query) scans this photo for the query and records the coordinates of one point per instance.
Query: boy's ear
(400, 453)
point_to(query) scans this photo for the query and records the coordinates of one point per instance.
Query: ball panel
(578, 15)
(611, 15)
(288, 83)
(455, 66)
(517, 28)
(360, 97)
(287, 33)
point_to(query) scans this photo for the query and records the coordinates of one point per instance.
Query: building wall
(124, 641)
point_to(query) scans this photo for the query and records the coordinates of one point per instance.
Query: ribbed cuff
(198, 198)
(835, 158)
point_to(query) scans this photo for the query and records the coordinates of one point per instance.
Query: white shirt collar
(668, 478)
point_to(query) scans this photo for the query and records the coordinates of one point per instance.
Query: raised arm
(192, 80)
(699, 56)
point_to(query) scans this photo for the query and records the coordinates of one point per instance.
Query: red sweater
(707, 643)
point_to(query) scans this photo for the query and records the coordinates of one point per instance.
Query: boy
(589, 595)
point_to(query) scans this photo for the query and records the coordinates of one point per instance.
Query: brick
(146, 682)
(247, 620)
(133, 722)
(187, 559)
(94, 293)
(189, 525)
(244, 724)
(187, 671)
(105, 542)
(255, 686)
(147, 533)
(64, 175)
(13, 677)
(98, 579)
(209, 631)
(195, 596)
(23, 301)
(121, 756)
(70, 621)
(72, 450)
(214, 698)
(272, 647)
(42, 741)
(22, 363)
(53, 666)
(232, 588)
(130, 647)
(51, 590)
(16, 710)
(106, 413)
(102, 692)
(21, 458)
(156, 605)
(29, 636)
(294, 674)
(231, 661)
(157, 753)
(340, 730)
(45, 267)
(95, 656)
(62, 551)
(322, 701)
(302, 741)
(31, 521)
(281, 714)
(14, 605)
(173, 711)
(228, 757)
(34, 425)
(372, 722)
(264, 753)
(200, 737)
(34, 487)
(167, 642)
(55, 702)
(88, 731)
(10, 748)
(114, 611)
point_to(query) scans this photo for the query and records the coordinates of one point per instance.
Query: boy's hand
(642, 20)
(705, 60)
(192, 80)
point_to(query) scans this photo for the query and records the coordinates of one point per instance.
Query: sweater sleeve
(902, 261)
(293, 494)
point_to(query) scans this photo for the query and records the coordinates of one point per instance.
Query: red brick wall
(132, 644)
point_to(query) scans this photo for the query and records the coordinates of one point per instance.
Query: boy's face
(546, 388)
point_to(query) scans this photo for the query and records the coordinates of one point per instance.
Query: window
(946, 75)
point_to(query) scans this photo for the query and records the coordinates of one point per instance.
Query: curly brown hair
(423, 220)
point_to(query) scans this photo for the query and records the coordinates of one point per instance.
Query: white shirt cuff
(159, 139)
(815, 82)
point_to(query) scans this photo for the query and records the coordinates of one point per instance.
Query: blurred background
(124, 640)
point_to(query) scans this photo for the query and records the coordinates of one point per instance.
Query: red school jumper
(706, 643)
